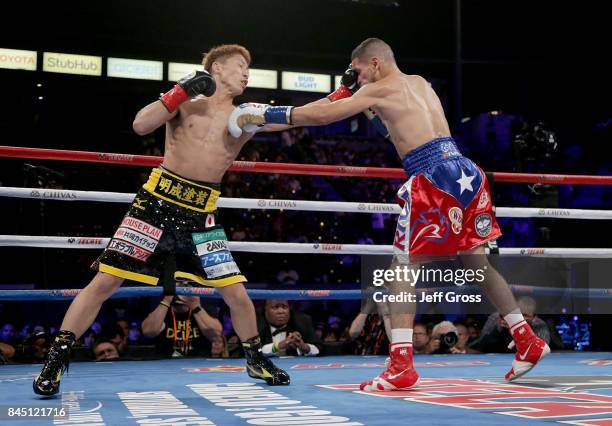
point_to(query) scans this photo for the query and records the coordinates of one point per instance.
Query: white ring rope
(274, 204)
(313, 248)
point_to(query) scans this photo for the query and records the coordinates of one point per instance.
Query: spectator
(125, 326)
(420, 338)
(443, 338)
(105, 350)
(6, 352)
(495, 336)
(34, 348)
(114, 333)
(370, 330)
(181, 327)
(287, 276)
(335, 331)
(219, 348)
(88, 338)
(285, 332)
(8, 334)
(464, 338)
(473, 328)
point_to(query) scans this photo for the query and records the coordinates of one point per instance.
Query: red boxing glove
(192, 85)
(174, 97)
(340, 93)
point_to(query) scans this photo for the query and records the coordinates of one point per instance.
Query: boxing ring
(569, 388)
(566, 388)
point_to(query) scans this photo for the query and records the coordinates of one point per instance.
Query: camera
(448, 340)
(534, 142)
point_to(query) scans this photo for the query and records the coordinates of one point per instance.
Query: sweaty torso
(198, 145)
(411, 110)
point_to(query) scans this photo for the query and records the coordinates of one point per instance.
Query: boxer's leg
(495, 286)
(245, 323)
(530, 349)
(242, 310)
(85, 307)
(80, 315)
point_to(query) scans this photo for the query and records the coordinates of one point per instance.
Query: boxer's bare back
(411, 111)
(407, 105)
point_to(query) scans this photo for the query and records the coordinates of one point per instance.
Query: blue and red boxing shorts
(446, 204)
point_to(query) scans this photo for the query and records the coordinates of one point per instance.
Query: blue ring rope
(355, 294)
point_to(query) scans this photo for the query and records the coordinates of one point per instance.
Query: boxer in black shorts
(174, 214)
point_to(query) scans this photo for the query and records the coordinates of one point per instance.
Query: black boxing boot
(260, 367)
(47, 383)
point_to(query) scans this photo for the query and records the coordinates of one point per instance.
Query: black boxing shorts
(171, 215)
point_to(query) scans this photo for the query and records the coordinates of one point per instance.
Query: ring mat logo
(542, 398)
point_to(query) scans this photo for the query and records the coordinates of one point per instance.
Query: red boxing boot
(399, 375)
(530, 349)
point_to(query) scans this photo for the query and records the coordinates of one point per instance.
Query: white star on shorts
(465, 182)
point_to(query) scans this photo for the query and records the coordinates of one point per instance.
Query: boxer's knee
(475, 258)
(235, 296)
(104, 285)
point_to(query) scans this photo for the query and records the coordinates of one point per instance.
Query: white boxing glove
(248, 117)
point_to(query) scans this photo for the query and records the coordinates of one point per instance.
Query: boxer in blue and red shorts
(446, 203)
(446, 207)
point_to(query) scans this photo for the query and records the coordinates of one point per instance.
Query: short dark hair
(220, 53)
(371, 47)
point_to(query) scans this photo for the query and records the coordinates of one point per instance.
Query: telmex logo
(244, 164)
(203, 290)
(351, 169)
(533, 251)
(117, 157)
(323, 293)
(89, 241)
(331, 246)
(536, 251)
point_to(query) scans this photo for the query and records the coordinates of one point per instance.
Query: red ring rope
(284, 168)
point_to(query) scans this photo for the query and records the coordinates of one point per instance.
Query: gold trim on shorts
(182, 192)
(148, 279)
(128, 275)
(222, 282)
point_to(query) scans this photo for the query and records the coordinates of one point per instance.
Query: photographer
(444, 338)
(181, 327)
